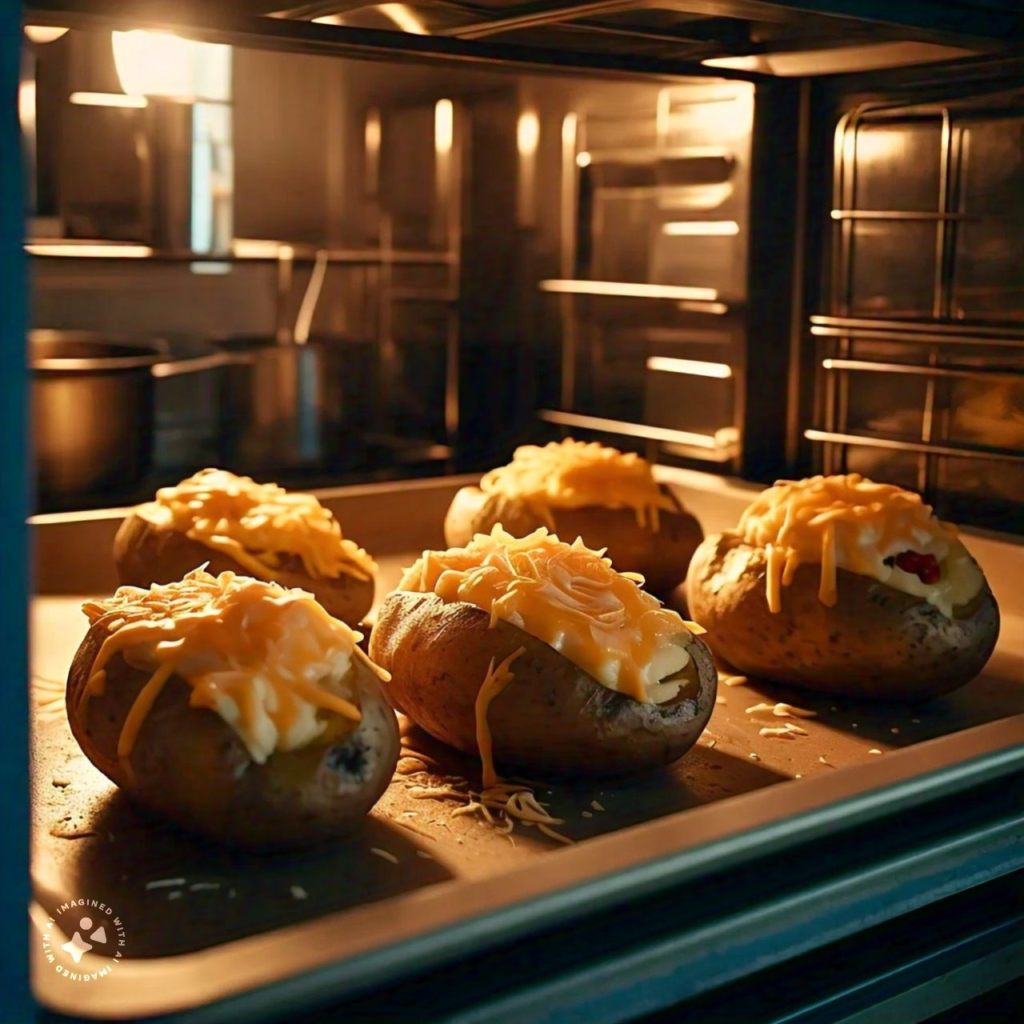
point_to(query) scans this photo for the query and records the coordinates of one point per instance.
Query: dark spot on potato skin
(190, 766)
(348, 758)
(881, 642)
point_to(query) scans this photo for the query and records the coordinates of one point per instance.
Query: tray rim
(344, 953)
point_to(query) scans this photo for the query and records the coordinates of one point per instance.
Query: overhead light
(628, 290)
(404, 17)
(44, 33)
(690, 367)
(89, 251)
(700, 228)
(444, 126)
(108, 99)
(583, 159)
(163, 64)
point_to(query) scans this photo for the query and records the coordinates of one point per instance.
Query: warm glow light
(717, 308)
(162, 64)
(753, 63)
(527, 133)
(404, 17)
(256, 248)
(44, 33)
(703, 228)
(689, 367)
(89, 251)
(444, 126)
(569, 123)
(153, 64)
(108, 99)
(628, 290)
(27, 105)
(372, 132)
(582, 159)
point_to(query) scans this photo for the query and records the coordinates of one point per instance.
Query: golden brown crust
(189, 765)
(661, 556)
(553, 718)
(146, 554)
(875, 641)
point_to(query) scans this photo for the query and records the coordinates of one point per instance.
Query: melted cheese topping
(574, 474)
(269, 661)
(571, 598)
(848, 522)
(257, 523)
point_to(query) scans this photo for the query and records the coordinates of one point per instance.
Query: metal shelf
(698, 446)
(954, 451)
(268, 252)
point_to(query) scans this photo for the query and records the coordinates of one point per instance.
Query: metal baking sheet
(180, 898)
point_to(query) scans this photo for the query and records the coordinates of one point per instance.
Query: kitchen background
(480, 258)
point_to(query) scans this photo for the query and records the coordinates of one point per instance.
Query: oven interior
(369, 250)
(798, 257)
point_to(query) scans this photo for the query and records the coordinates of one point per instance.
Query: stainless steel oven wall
(450, 212)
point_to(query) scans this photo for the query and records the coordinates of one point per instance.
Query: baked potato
(609, 499)
(190, 764)
(233, 524)
(555, 718)
(862, 636)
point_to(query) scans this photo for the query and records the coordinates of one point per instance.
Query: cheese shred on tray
(571, 598)
(268, 660)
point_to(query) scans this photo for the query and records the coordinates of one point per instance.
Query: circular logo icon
(96, 944)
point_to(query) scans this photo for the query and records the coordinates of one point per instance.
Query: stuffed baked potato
(608, 498)
(233, 524)
(561, 619)
(848, 586)
(236, 709)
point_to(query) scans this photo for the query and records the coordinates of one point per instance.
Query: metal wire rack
(928, 347)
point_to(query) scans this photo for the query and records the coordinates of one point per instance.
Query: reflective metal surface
(918, 367)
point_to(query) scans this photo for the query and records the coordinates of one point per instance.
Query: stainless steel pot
(92, 407)
(297, 406)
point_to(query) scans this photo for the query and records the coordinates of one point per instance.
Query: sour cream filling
(270, 661)
(848, 522)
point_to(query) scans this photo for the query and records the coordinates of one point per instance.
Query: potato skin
(660, 557)
(146, 554)
(189, 765)
(553, 718)
(876, 642)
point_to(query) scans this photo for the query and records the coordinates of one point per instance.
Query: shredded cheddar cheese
(571, 598)
(494, 682)
(256, 524)
(574, 474)
(848, 522)
(269, 661)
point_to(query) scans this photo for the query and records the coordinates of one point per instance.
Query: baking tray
(418, 885)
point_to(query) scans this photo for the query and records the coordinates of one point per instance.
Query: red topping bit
(924, 567)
